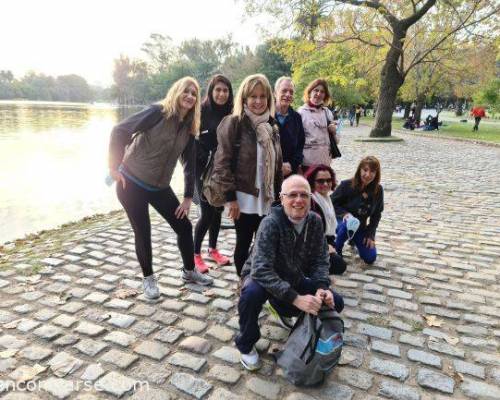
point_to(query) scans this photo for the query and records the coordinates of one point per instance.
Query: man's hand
(308, 303)
(326, 296)
(183, 209)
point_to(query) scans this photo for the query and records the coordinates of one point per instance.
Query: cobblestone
(445, 267)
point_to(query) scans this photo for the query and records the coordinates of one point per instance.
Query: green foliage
(35, 86)
(490, 96)
(339, 66)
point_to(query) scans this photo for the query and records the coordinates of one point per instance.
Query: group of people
(273, 165)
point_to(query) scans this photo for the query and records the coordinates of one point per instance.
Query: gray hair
(280, 80)
(294, 177)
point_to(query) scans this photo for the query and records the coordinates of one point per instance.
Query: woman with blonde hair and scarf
(248, 161)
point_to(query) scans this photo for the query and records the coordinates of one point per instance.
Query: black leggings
(209, 221)
(246, 226)
(135, 200)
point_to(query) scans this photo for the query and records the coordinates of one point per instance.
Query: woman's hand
(183, 209)
(368, 242)
(233, 210)
(347, 216)
(118, 178)
(286, 169)
(332, 129)
(331, 249)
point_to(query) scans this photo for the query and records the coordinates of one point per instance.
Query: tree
(390, 27)
(72, 88)
(271, 63)
(160, 51)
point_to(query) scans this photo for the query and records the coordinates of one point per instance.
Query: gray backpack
(313, 348)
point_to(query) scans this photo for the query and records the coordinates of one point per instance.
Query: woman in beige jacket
(318, 124)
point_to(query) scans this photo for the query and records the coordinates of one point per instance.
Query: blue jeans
(367, 254)
(252, 298)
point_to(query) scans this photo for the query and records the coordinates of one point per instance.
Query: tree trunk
(460, 108)
(407, 110)
(418, 109)
(390, 82)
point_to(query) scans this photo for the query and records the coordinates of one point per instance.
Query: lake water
(53, 162)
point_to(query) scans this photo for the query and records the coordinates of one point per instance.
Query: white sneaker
(151, 290)
(251, 360)
(196, 277)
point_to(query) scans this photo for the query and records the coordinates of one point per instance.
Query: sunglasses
(323, 181)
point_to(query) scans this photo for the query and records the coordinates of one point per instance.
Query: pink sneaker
(200, 264)
(218, 257)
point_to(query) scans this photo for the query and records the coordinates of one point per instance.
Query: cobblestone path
(421, 323)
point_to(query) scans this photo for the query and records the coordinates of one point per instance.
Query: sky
(58, 37)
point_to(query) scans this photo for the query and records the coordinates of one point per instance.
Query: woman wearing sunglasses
(322, 181)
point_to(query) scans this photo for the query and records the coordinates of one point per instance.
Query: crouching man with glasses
(288, 267)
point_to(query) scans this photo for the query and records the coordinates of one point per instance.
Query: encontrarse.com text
(33, 386)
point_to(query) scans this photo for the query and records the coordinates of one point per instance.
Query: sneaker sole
(187, 280)
(250, 367)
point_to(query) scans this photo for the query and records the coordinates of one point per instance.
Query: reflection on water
(53, 161)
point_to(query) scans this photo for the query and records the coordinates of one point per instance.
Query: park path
(421, 323)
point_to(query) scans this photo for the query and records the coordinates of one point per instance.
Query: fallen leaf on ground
(432, 320)
(28, 373)
(8, 353)
(458, 377)
(428, 217)
(451, 339)
(208, 293)
(12, 324)
(124, 293)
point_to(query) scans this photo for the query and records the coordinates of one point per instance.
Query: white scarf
(325, 203)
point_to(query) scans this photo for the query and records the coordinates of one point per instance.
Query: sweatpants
(252, 298)
(246, 227)
(367, 254)
(135, 200)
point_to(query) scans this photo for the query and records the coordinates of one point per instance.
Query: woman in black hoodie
(217, 104)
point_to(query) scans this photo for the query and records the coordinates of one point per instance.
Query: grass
(488, 131)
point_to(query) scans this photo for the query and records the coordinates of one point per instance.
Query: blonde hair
(247, 87)
(171, 105)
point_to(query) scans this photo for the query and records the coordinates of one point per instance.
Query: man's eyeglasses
(296, 195)
(323, 181)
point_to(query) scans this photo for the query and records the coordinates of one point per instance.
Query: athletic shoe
(200, 264)
(196, 277)
(285, 322)
(251, 360)
(151, 290)
(218, 257)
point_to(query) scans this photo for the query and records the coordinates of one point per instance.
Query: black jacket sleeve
(340, 197)
(378, 207)
(298, 157)
(122, 133)
(188, 161)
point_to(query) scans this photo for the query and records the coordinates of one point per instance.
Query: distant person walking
(352, 115)
(358, 112)
(143, 152)
(477, 112)
(217, 104)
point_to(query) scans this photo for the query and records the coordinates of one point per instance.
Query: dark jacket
(281, 258)
(148, 146)
(346, 199)
(292, 138)
(243, 179)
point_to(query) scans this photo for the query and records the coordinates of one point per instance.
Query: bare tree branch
(407, 22)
